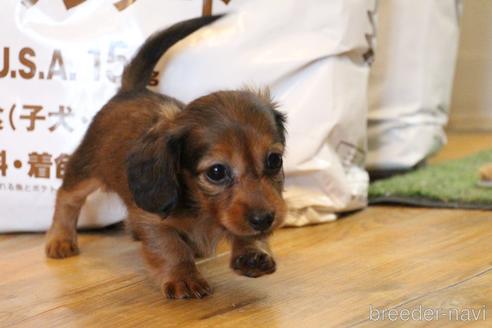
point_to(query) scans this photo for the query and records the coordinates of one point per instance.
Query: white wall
(471, 106)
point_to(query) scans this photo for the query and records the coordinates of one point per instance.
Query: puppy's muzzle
(261, 220)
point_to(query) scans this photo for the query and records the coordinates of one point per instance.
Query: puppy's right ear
(152, 165)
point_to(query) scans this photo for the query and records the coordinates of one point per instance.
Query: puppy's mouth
(246, 230)
(256, 234)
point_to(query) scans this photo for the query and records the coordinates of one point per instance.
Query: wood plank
(462, 144)
(382, 256)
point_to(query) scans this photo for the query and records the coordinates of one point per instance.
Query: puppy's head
(221, 156)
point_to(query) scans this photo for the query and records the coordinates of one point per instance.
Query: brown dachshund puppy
(189, 175)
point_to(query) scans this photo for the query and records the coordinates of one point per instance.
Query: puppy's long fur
(189, 175)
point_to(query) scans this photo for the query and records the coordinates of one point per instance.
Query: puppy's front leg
(172, 261)
(252, 257)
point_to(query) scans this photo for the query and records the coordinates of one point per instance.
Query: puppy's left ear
(280, 120)
(152, 168)
(279, 117)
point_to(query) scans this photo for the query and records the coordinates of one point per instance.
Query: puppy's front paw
(188, 287)
(61, 248)
(254, 264)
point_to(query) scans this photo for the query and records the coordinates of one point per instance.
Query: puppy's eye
(274, 161)
(218, 173)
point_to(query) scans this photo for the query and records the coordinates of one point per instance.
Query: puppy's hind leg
(62, 236)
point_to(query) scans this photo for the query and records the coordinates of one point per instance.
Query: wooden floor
(328, 275)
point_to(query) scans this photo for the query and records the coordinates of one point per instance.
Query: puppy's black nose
(261, 220)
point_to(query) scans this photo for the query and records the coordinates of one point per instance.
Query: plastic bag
(315, 57)
(62, 61)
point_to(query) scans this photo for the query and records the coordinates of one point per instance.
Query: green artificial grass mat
(451, 184)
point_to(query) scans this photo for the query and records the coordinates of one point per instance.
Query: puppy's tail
(138, 72)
